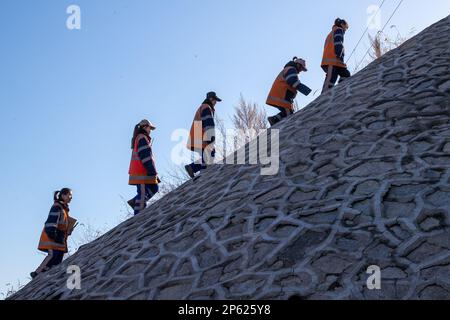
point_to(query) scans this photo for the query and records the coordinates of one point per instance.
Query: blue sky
(70, 98)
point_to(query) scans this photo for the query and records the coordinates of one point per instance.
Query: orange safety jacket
(59, 214)
(329, 53)
(138, 172)
(278, 95)
(202, 129)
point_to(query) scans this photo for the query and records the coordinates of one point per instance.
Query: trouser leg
(151, 190)
(343, 73)
(330, 78)
(44, 265)
(202, 163)
(139, 203)
(57, 258)
(208, 156)
(144, 193)
(198, 164)
(53, 258)
(284, 112)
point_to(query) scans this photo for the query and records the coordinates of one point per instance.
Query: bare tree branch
(249, 120)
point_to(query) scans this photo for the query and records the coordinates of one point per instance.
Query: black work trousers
(333, 73)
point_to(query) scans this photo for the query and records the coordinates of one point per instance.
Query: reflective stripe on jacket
(333, 53)
(202, 131)
(142, 165)
(56, 229)
(282, 93)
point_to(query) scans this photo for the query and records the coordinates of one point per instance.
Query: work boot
(131, 203)
(189, 171)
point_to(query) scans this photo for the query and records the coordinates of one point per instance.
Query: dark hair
(298, 68)
(137, 130)
(339, 22)
(58, 194)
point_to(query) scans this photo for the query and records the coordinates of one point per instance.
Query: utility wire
(365, 31)
(395, 10)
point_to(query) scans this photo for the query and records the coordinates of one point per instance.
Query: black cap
(213, 95)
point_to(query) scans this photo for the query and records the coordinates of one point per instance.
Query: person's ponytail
(57, 195)
(135, 133)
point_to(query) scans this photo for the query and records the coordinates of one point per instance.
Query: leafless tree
(249, 120)
(248, 115)
(222, 146)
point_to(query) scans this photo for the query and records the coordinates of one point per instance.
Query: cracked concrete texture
(364, 180)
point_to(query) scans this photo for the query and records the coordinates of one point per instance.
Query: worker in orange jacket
(202, 134)
(333, 55)
(56, 231)
(142, 171)
(284, 89)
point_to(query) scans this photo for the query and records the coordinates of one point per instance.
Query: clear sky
(69, 98)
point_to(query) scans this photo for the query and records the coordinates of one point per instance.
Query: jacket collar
(62, 204)
(292, 64)
(142, 131)
(336, 27)
(208, 102)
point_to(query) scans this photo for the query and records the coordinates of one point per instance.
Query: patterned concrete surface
(364, 180)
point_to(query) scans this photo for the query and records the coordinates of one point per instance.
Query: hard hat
(301, 62)
(145, 122)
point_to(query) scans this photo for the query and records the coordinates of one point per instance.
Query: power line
(365, 31)
(395, 10)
